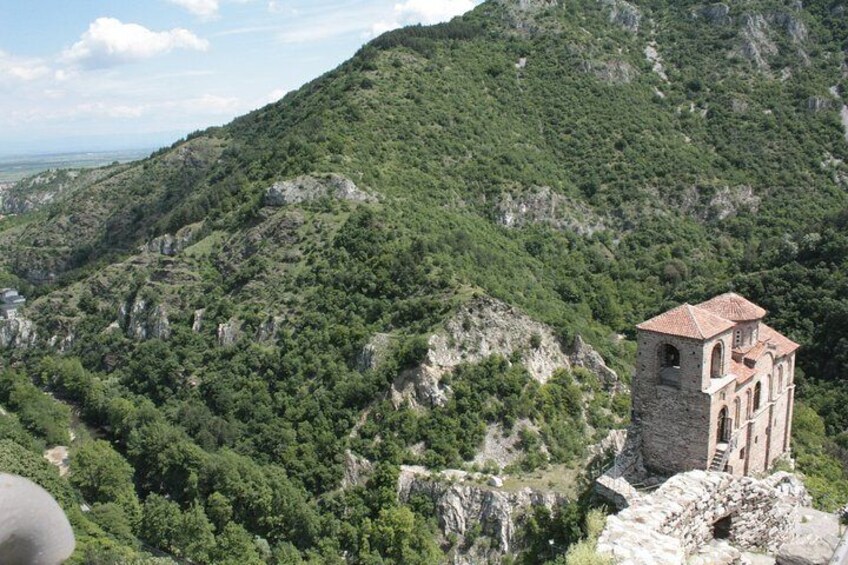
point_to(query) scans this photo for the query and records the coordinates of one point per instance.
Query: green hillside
(586, 162)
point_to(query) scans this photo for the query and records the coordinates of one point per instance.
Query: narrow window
(757, 391)
(737, 408)
(716, 362)
(737, 338)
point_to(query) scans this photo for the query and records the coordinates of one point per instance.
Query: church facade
(713, 388)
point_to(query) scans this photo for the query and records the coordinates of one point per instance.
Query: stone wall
(680, 517)
(674, 420)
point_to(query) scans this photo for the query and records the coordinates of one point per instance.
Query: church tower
(713, 388)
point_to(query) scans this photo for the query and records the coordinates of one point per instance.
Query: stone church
(713, 388)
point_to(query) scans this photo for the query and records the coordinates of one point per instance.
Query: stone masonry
(692, 509)
(713, 389)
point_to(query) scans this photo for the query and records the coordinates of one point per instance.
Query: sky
(94, 75)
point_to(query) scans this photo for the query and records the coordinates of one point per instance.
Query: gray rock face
(173, 244)
(373, 352)
(462, 504)
(142, 321)
(357, 470)
(541, 205)
(584, 355)
(819, 104)
(35, 192)
(229, 333)
(309, 188)
(197, 322)
(482, 328)
(795, 28)
(17, 333)
(268, 329)
(805, 550)
(624, 14)
(756, 45)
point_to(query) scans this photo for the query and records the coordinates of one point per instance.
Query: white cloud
(426, 12)
(212, 104)
(108, 42)
(22, 69)
(202, 8)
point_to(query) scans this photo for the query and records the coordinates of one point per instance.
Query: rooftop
(687, 321)
(733, 307)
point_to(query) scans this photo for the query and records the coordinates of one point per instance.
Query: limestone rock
(584, 355)
(357, 470)
(373, 352)
(615, 71)
(420, 387)
(17, 333)
(652, 54)
(502, 449)
(59, 457)
(197, 323)
(141, 320)
(309, 188)
(819, 103)
(541, 205)
(229, 332)
(624, 14)
(462, 504)
(173, 244)
(756, 45)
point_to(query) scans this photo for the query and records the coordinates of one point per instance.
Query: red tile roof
(783, 344)
(687, 321)
(733, 307)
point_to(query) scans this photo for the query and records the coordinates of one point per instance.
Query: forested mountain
(390, 263)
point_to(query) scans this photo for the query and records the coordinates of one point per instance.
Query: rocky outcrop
(501, 449)
(357, 470)
(142, 320)
(173, 244)
(197, 321)
(584, 355)
(819, 104)
(680, 518)
(541, 205)
(615, 71)
(623, 14)
(373, 353)
(466, 501)
(36, 192)
(484, 327)
(652, 54)
(309, 188)
(17, 333)
(229, 332)
(756, 45)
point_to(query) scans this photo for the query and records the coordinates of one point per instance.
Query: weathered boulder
(805, 550)
(309, 188)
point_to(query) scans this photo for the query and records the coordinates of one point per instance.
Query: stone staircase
(720, 458)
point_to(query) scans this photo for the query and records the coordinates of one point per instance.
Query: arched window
(748, 411)
(780, 379)
(770, 388)
(670, 356)
(737, 411)
(758, 388)
(717, 362)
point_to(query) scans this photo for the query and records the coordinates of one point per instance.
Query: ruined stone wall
(674, 420)
(680, 517)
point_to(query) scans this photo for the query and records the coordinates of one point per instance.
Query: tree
(235, 546)
(102, 475)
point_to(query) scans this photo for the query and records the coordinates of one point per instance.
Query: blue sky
(84, 75)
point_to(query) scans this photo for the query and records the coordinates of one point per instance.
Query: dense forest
(204, 343)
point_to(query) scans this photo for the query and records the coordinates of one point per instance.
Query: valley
(391, 318)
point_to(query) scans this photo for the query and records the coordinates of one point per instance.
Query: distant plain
(15, 167)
